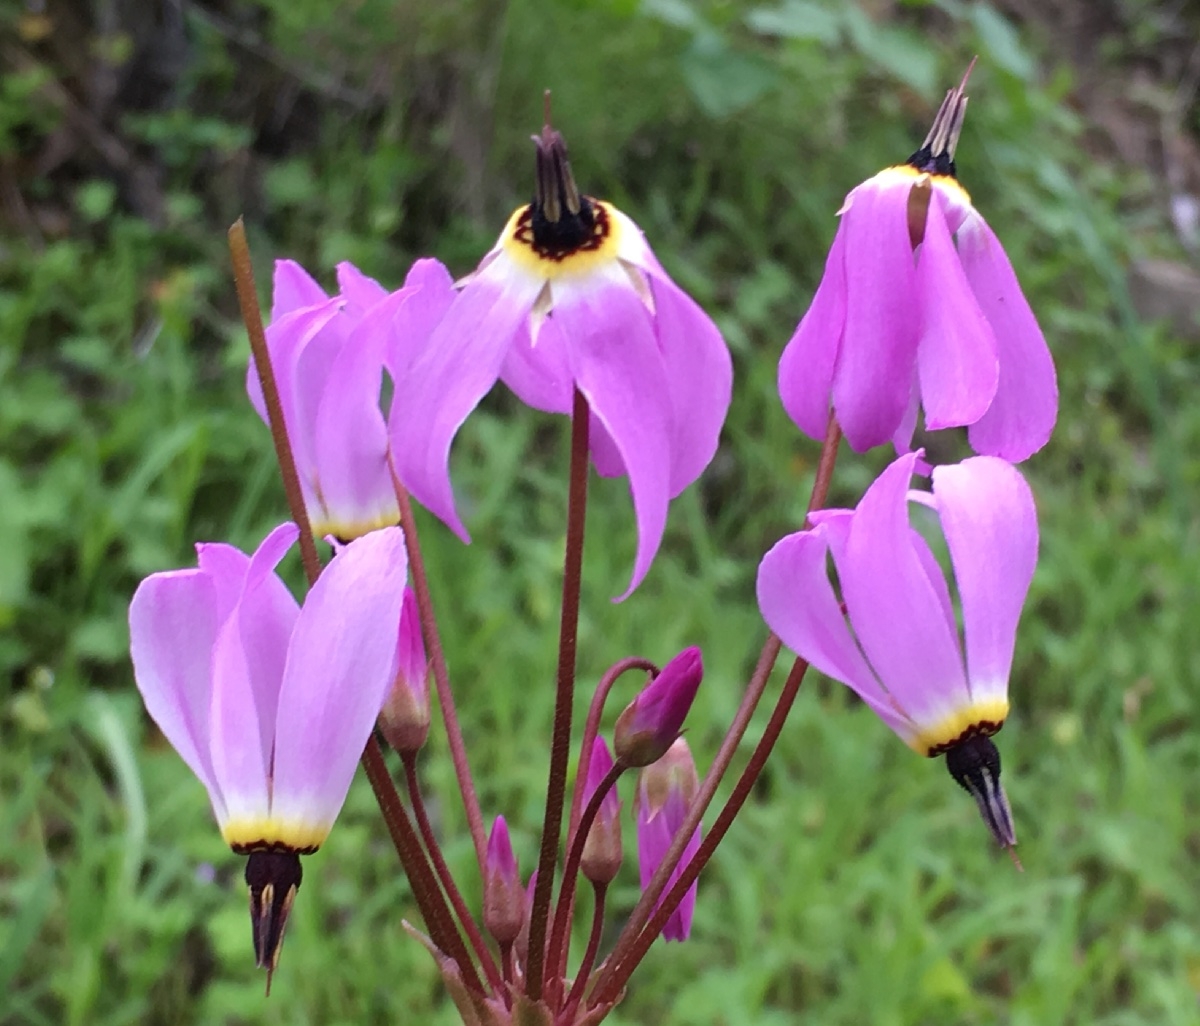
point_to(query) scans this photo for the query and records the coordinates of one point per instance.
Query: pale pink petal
(1022, 415)
(240, 741)
(431, 292)
(173, 627)
(540, 374)
(896, 613)
(606, 457)
(619, 369)
(351, 441)
(314, 368)
(225, 566)
(700, 375)
(807, 366)
(957, 353)
(359, 291)
(266, 616)
(798, 603)
(879, 343)
(340, 665)
(460, 364)
(292, 288)
(990, 523)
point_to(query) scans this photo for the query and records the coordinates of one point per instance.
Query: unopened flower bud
(602, 852)
(404, 719)
(503, 895)
(652, 721)
(522, 945)
(666, 790)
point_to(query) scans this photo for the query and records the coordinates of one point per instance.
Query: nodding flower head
(894, 637)
(269, 703)
(904, 319)
(649, 725)
(572, 298)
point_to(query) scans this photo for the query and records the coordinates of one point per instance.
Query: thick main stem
(441, 675)
(733, 737)
(474, 936)
(741, 791)
(560, 744)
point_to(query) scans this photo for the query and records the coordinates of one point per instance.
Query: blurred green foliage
(858, 887)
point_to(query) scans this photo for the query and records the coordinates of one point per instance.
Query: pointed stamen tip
(966, 75)
(547, 123)
(270, 973)
(1012, 854)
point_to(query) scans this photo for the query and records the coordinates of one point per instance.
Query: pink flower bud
(503, 895)
(404, 719)
(665, 792)
(652, 721)
(602, 847)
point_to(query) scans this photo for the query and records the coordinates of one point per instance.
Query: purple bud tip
(500, 856)
(503, 896)
(652, 721)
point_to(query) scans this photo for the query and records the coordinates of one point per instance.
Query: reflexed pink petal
(957, 353)
(340, 665)
(606, 457)
(679, 924)
(807, 366)
(432, 292)
(314, 370)
(460, 364)
(540, 375)
(902, 439)
(1023, 413)
(619, 369)
(350, 440)
(358, 290)
(266, 615)
(240, 741)
(935, 575)
(990, 523)
(798, 603)
(879, 343)
(292, 288)
(700, 374)
(226, 567)
(172, 629)
(896, 613)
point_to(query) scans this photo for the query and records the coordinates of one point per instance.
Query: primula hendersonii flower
(948, 330)
(665, 791)
(897, 644)
(503, 895)
(329, 355)
(652, 721)
(572, 297)
(602, 852)
(269, 703)
(404, 719)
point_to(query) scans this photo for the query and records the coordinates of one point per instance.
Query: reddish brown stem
(474, 936)
(589, 956)
(441, 675)
(560, 744)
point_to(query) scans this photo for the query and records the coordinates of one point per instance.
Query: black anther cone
(975, 763)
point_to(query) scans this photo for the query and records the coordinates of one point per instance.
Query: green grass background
(858, 885)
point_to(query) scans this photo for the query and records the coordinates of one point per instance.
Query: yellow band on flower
(268, 834)
(977, 718)
(600, 248)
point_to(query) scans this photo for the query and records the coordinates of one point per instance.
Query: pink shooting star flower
(269, 703)
(329, 355)
(666, 789)
(571, 297)
(947, 329)
(897, 643)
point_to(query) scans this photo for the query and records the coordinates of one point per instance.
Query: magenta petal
(292, 288)
(807, 366)
(879, 344)
(173, 626)
(700, 374)
(619, 369)
(990, 523)
(340, 665)
(540, 373)
(358, 290)
(225, 566)
(461, 362)
(957, 353)
(1022, 415)
(798, 603)
(606, 457)
(431, 291)
(897, 615)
